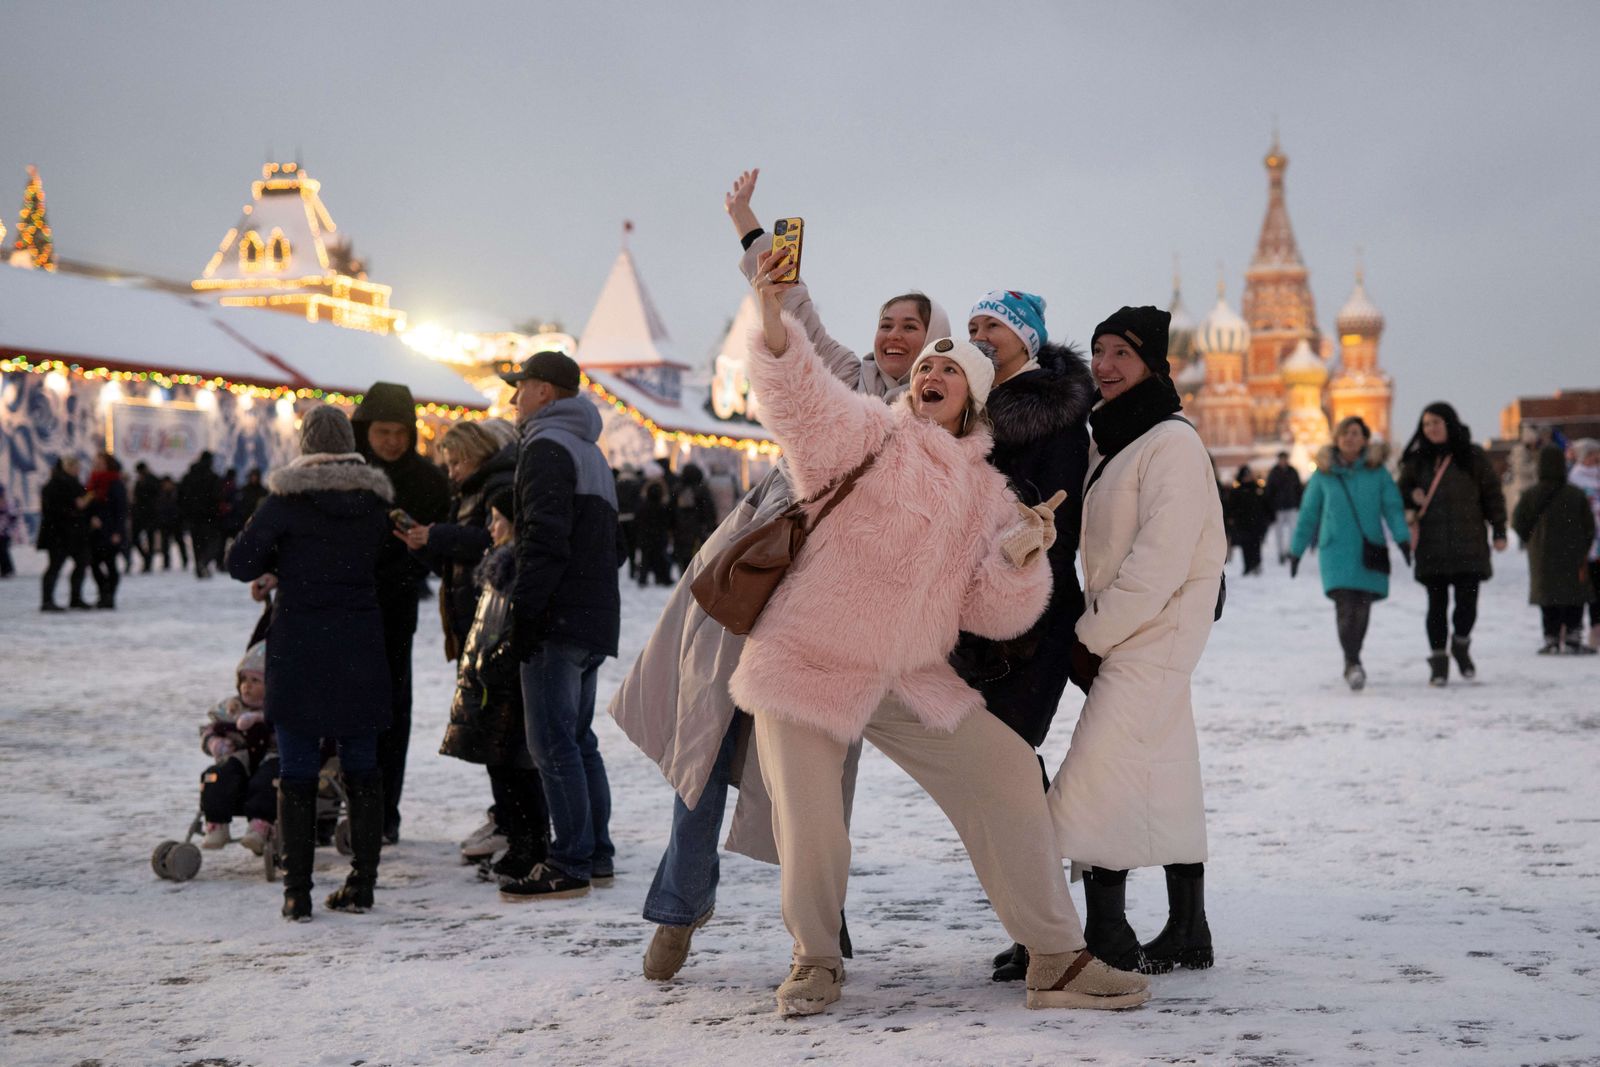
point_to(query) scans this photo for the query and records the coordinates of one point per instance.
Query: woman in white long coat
(1129, 791)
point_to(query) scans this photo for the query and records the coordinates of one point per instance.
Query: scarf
(1116, 424)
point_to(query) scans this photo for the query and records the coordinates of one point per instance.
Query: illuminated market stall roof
(90, 323)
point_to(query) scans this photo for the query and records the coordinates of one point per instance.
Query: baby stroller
(179, 861)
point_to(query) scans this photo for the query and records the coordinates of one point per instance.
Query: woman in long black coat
(63, 533)
(316, 539)
(1454, 503)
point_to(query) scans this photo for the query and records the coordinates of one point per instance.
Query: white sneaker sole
(1066, 998)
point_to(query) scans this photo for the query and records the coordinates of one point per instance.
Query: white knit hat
(977, 366)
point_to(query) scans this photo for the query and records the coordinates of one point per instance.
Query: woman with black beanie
(1129, 791)
(1451, 494)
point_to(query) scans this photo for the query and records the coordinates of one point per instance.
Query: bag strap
(1101, 466)
(839, 489)
(1357, 513)
(1438, 473)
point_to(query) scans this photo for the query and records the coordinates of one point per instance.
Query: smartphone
(399, 517)
(788, 235)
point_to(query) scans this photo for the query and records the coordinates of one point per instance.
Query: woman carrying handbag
(1347, 502)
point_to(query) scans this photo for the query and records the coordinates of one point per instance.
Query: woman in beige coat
(1128, 793)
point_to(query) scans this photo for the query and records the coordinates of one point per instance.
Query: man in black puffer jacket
(1040, 408)
(566, 612)
(385, 424)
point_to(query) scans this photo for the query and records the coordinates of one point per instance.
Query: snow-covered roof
(625, 330)
(285, 203)
(92, 322)
(690, 416)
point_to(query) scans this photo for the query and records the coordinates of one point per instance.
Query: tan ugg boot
(669, 948)
(809, 989)
(1078, 980)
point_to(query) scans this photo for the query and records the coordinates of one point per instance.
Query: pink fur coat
(873, 604)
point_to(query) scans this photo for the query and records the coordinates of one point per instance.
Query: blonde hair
(471, 442)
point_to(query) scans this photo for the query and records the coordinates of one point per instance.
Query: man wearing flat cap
(566, 612)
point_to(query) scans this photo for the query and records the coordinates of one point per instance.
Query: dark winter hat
(557, 368)
(325, 430)
(505, 502)
(386, 402)
(1145, 329)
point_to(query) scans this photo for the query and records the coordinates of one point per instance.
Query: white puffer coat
(1128, 793)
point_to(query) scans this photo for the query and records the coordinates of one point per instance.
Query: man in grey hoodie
(567, 613)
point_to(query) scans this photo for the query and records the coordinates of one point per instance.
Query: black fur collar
(1043, 402)
(498, 571)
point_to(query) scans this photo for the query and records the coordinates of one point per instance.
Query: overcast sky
(483, 156)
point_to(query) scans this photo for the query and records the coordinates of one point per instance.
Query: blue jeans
(685, 887)
(558, 686)
(300, 755)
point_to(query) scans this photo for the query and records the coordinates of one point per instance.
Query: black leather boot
(1438, 668)
(364, 796)
(297, 843)
(1106, 928)
(524, 819)
(1461, 650)
(1011, 965)
(1186, 939)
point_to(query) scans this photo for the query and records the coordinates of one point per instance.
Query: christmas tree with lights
(33, 247)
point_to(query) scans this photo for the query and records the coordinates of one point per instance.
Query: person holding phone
(674, 703)
(855, 640)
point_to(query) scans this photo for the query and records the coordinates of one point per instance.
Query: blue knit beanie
(1023, 314)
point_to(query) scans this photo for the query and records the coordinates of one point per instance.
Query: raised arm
(841, 361)
(825, 427)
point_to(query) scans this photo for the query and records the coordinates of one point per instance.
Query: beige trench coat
(1128, 793)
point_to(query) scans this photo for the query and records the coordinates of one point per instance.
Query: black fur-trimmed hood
(329, 473)
(1042, 402)
(498, 571)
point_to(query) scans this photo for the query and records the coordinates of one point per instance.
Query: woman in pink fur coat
(854, 643)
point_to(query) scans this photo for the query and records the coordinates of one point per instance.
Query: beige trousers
(985, 778)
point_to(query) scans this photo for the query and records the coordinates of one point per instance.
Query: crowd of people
(989, 517)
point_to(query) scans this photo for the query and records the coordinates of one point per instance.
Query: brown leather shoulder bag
(736, 585)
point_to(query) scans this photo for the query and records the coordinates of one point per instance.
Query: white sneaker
(481, 832)
(484, 847)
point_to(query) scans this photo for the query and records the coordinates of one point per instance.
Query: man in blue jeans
(566, 616)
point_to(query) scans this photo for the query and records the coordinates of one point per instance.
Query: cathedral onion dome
(1222, 330)
(1180, 331)
(1191, 378)
(1359, 315)
(1303, 367)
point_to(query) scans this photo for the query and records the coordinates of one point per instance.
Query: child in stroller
(242, 781)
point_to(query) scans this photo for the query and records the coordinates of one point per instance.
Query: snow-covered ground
(1405, 875)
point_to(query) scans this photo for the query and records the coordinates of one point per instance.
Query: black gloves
(1085, 665)
(1294, 566)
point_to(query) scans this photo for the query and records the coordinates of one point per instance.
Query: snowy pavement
(1404, 875)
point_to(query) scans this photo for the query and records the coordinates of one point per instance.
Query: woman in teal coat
(1346, 504)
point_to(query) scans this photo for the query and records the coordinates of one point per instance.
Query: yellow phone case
(789, 234)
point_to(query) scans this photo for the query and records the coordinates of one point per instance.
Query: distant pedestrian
(9, 522)
(1556, 525)
(1283, 503)
(693, 516)
(567, 617)
(200, 502)
(169, 525)
(1347, 502)
(64, 533)
(108, 526)
(630, 494)
(146, 500)
(1454, 504)
(652, 534)
(1585, 474)
(1248, 517)
(252, 493)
